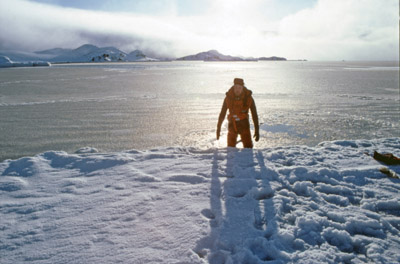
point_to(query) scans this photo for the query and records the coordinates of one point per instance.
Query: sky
(295, 29)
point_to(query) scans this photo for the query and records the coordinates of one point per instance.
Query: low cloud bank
(330, 30)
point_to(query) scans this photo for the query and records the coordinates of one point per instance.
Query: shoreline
(88, 150)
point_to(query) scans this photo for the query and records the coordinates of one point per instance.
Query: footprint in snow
(207, 213)
(263, 194)
(191, 179)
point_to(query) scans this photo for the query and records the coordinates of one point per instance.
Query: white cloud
(330, 30)
(33, 26)
(344, 29)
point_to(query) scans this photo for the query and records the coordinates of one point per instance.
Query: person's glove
(218, 132)
(256, 136)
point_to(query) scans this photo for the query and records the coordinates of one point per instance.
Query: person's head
(238, 86)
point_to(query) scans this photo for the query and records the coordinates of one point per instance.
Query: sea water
(123, 106)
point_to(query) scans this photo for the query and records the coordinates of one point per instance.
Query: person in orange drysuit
(239, 100)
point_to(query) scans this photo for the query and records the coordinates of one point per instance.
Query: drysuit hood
(246, 92)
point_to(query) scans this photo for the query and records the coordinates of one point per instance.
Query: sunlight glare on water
(122, 106)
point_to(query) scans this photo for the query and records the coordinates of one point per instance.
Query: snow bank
(328, 204)
(5, 62)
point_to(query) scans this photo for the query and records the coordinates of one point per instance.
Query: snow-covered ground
(292, 204)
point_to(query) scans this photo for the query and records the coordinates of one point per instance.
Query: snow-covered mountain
(91, 53)
(213, 55)
(138, 55)
(85, 53)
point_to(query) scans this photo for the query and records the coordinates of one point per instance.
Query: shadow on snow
(242, 215)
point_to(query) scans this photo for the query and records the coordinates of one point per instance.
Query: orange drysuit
(238, 117)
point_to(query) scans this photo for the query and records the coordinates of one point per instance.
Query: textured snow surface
(327, 204)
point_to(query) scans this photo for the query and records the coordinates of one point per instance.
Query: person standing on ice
(239, 100)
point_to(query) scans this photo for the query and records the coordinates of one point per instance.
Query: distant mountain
(213, 55)
(138, 55)
(92, 53)
(85, 53)
(273, 58)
